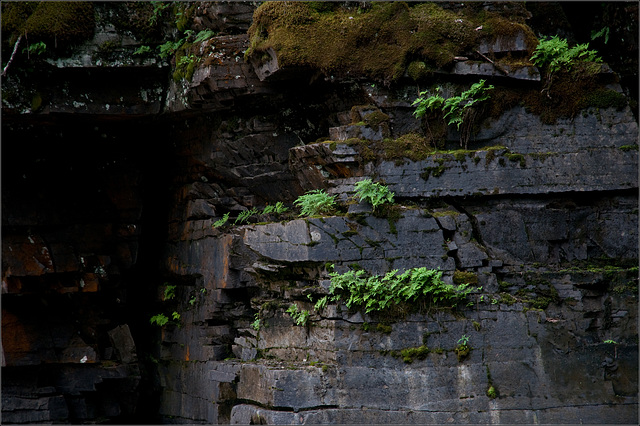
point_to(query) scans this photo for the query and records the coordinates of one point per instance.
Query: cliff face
(119, 167)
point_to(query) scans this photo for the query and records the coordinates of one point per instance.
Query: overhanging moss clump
(52, 22)
(378, 40)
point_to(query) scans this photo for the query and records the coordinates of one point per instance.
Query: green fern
(220, 222)
(315, 202)
(375, 193)
(554, 54)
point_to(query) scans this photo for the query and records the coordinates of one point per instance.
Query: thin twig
(15, 49)
(497, 66)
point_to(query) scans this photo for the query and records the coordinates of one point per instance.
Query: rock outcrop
(135, 187)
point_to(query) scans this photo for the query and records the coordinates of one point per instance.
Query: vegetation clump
(378, 294)
(458, 110)
(373, 192)
(376, 40)
(315, 202)
(54, 23)
(463, 348)
(299, 317)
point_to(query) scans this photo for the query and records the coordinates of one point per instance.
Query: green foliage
(158, 8)
(192, 300)
(491, 392)
(37, 48)
(377, 294)
(453, 107)
(430, 103)
(245, 215)
(321, 303)
(222, 221)
(204, 35)
(175, 316)
(604, 32)
(142, 50)
(315, 202)
(256, 322)
(554, 54)
(409, 354)
(299, 317)
(278, 208)
(464, 340)
(169, 291)
(160, 319)
(375, 193)
(610, 341)
(168, 48)
(463, 349)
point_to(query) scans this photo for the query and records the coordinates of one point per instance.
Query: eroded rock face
(114, 205)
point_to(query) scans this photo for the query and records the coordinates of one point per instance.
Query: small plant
(456, 109)
(299, 317)
(463, 349)
(554, 54)
(375, 193)
(615, 347)
(492, 393)
(175, 316)
(315, 202)
(277, 208)
(220, 222)
(169, 291)
(160, 319)
(256, 322)
(204, 35)
(604, 32)
(142, 50)
(321, 303)
(36, 48)
(193, 300)
(168, 48)
(376, 294)
(245, 215)
(158, 7)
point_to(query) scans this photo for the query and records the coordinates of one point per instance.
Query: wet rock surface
(117, 176)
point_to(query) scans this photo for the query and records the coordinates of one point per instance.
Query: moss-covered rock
(377, 40)
(51, 22)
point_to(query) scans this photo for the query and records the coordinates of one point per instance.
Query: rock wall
(114, 193)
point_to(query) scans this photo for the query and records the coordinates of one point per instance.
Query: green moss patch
(52, 22)
(378, 40)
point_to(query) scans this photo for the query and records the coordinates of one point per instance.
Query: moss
(629, 148)
(410, 354)
(504, 285)
(36, 102)
(462, 351)
(368, 115)
(516, 158)
(445, 213)
(419, 70)
(383, 328)
(508, 299)
(492, 392)
(108, 50)
(373, 41)
(434, 171)
(465, 277)
(139, 18)
(604, 98)
(55, 23)
(476, 325)
(411, 145)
